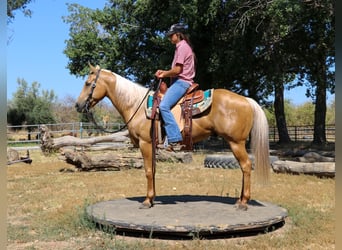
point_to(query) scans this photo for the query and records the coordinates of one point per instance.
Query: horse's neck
(126, 96)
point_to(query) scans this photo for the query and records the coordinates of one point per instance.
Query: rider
(181, 75)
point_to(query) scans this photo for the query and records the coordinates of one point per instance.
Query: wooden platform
(186, 216)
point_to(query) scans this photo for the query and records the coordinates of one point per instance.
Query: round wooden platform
(186, 216)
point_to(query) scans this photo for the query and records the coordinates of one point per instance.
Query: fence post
(73, 129)
(81, 129)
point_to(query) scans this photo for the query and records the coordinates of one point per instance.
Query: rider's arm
(174, 71)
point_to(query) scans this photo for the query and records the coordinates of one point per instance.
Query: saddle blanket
(197, 108)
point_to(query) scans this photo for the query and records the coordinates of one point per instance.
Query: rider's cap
(176, 28)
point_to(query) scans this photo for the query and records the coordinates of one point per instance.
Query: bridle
(90, 96)
(90, 114)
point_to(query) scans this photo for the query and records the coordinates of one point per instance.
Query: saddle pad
(202, 106)
(197, 108)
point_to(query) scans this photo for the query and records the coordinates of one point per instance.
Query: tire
(227, 161)
(221, 161)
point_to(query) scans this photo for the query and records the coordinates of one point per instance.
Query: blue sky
(35, 50)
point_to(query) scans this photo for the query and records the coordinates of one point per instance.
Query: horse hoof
(241, 207)
(145, 205)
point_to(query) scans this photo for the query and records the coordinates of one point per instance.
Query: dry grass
(45, 206)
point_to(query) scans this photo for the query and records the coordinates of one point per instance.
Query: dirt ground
(46, 200)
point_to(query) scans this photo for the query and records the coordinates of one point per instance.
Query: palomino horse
(231, 116)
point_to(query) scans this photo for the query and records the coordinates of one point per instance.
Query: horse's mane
(131, 92)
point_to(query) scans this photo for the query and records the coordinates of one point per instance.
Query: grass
(46, 207)
(22, 144)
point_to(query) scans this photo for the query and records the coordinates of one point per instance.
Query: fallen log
(101, 162)
(117, 161)
(315, 157)
(22, 159)
(320, 169)
(107, 161)
(50, 144)
(14, 157)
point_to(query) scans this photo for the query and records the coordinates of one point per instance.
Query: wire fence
(31, 133)
(302, 133)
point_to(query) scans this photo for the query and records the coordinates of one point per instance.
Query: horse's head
(94, 90)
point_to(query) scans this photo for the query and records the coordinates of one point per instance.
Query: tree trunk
(320, 107)
(280, 114)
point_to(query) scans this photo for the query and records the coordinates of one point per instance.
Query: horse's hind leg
(241, 155)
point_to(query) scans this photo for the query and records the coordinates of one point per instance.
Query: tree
(64, 110)
(303, 115)
(319, 34)
(254, 48)
(330, 119)
(300, 115)
(13, 5)
(129, 39)
(30, 106)
(296, 39)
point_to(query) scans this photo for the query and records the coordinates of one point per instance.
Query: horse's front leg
(146, 151)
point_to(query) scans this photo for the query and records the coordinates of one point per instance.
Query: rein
(90, 115)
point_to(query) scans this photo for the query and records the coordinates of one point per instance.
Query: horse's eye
(87, 83)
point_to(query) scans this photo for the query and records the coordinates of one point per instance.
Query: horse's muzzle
(80, 108)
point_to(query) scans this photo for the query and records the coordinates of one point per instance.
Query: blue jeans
(171, 97)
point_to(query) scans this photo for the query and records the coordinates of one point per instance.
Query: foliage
(300, 115)
(13, 5)
(64, 110)
(246, 46)
(330, 118)
(303, 114)
(30, 105)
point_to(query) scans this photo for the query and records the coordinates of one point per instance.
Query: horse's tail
(260, 143)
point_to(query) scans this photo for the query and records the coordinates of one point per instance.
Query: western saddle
(191, 97)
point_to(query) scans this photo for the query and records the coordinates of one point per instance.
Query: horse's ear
(92, 68)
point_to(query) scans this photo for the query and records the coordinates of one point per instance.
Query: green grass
(22, 144)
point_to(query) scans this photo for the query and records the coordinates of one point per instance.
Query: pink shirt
(184, 55)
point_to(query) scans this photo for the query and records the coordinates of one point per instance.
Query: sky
(35, 50)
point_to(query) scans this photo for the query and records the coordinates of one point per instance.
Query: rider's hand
(159, 74)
